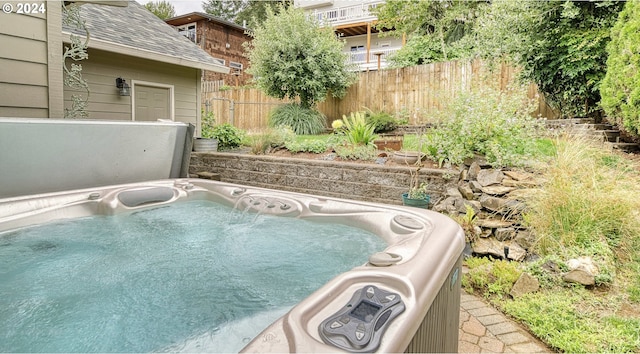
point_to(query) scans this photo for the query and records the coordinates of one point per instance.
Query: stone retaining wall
(366, 182)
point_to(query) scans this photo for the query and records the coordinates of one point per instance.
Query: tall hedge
(620, 89)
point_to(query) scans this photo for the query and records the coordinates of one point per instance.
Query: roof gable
(133, 30)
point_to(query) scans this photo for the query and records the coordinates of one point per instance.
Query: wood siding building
(223, 40)
(127, 42)
(30, 77)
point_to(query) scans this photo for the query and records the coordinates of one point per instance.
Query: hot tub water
(179, 277)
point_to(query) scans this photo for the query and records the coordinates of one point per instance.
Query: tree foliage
(560, 45)
(224, 9)
(437, 30)
(251, 12)
(162, 8)
(293, 57)
(620, 88)
(255, 11)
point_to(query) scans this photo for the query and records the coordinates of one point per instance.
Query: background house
(354, 22)
(221, 39)
(162, 67)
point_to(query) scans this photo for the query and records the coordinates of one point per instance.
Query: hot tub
(406, 298)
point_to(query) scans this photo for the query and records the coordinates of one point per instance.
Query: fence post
(231, 111)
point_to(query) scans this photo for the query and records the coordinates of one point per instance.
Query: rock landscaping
(496, 198)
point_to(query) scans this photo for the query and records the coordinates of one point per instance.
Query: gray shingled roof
(135, 27)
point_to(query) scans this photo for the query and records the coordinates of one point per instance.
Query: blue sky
(182, 6)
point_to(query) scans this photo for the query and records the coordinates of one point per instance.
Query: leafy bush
(206, 127)
(228, 136)
(560, 46)
(485, 121)
(315, 146)
(382, 122)
(356, 152)
(620, 88)
(357, 131)
(292, 56)
(303, 121)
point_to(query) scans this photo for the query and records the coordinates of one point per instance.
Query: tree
(436, 29)
(620, 88)
(255, 11)
(560, 45)
(251, 12)
(162, 8)
(224, 9)
(291, 56)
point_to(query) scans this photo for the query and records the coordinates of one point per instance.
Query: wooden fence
(414, 92)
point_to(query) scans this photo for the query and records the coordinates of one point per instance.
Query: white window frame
(234, 65)
(186, 27)
(172, 110)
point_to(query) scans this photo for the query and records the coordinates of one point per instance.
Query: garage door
(152, 103)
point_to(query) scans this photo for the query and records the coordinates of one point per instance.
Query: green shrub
(303, 121)
(228, 136)
(208, 122)
(315, 146)
(620, 88)
(357, 131)
(485, 121)
(382, 122)
(356, 152)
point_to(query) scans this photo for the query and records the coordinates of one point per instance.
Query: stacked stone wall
(358, 181)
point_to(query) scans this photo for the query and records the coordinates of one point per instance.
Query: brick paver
(483, 329)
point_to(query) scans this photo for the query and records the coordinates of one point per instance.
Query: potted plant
(206, 141)
(417, 196)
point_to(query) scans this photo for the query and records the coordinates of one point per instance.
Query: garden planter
(407, 157)
(205, 145)
(418, 203)
(391, 142)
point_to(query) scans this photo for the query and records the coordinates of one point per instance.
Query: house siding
(23, 65)
(213, 38)
(102, 68)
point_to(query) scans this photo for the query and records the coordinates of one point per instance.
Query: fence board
(417, 91)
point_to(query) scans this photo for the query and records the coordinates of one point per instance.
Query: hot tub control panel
(359, 326)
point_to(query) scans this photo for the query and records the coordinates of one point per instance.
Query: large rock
(524, 285)
(525, 239)
(515, 252)
(504, 233)
(490, 177)
(474, 169)
(493, 223)
(497, 190)
(583, 263)
(451, 205)
(579, 276)
(496, 205)
(466, 191)
(488, 246)
(474, 204)
(453, 192)
(522, 194)
(517, 175)
(507, 182)
(475, 187)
